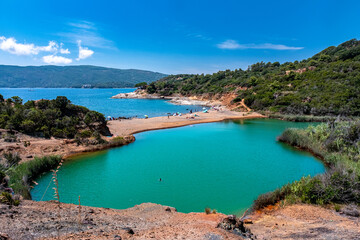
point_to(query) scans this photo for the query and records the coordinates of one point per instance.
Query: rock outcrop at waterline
(138, 94)
(233, 224)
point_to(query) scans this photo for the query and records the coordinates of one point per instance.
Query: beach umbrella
(146, 116)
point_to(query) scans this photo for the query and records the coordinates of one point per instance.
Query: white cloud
(62, 50)
(229, 44)
(52, 47)
(52, 59)
(12, 46)
(232, 44)
(84, 52)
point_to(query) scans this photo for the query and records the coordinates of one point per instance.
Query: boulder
(233, 224)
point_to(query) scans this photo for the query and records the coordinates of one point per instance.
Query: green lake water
(223, 165)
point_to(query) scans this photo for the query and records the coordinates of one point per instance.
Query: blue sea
(100, 100)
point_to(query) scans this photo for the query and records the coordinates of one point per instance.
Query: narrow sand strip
(126, 127)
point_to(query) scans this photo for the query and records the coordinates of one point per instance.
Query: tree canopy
(58, 117)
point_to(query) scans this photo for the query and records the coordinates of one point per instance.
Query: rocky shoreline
(178, 100)
(137, 95)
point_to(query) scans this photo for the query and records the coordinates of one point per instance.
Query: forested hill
(73, 76)
(326, 84)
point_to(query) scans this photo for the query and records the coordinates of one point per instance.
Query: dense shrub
(7, 198)
(117, 140)
(85, 134)
(11, 159)
(338, 145)
(2, 175)
(22, 174)
(58, 118)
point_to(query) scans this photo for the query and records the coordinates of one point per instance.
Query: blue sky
(172, 36)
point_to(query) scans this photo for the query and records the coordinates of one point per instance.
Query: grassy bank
(308, 118)
(21, 175)
(301, 118)
(337, 144)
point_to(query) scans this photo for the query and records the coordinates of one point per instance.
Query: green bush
(270, 198)
(46, 118)
(337, 144)
(2, 175)
(117, 140)
(207, 210)
(6, 198)
(85, 134)
(22, 175)
(11, 158)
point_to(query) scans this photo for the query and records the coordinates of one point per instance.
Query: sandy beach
(126, 127)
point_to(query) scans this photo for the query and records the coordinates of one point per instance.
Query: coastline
(124, 128)
(137, 125)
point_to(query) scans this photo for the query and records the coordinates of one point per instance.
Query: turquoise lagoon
(224, 166)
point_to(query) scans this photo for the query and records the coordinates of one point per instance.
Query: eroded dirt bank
(29, 147)
(302, 221)
(44, 220)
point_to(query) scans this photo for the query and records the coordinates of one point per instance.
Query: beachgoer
(160, 179)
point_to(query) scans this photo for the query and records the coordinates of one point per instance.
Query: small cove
(223, 165)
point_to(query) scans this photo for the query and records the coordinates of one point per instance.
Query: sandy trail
(125, 127)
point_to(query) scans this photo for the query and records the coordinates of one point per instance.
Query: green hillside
(73, 76)
(326, 84)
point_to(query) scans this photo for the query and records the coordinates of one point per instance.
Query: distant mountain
(73, 76)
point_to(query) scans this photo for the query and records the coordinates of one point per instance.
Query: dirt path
(127, 127)
(242, 103)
